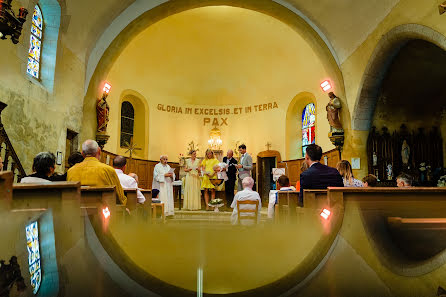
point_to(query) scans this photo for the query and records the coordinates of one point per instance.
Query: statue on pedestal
(103, 114)
(405, 153)
(333, 113)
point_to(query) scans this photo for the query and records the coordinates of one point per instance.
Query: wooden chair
(154, 207)
(255, 211)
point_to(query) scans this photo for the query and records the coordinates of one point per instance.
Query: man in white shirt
(246, 194)
(284, 185)
(127, 182)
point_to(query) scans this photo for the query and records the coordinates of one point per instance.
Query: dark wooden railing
(11, 161)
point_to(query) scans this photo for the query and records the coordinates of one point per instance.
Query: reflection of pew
(287, 203)
(401, 221)
(315, 199)
(6, 179)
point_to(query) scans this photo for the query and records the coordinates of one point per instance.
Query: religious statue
(102, 112)
(333, 113)
(389, 172)
(405, 153)
(375, 159)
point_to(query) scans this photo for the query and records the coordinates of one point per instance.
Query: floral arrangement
(216, 201)
(442, 181)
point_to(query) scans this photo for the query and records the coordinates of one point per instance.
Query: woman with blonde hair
(345, 170)
(192, 184)
(207, 167)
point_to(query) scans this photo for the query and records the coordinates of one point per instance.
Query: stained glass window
(127, 123)
(35, 43)
(308, 126)
(32, 242)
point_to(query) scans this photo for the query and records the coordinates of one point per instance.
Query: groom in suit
(232, 176)
(317, 176)
(245, 166)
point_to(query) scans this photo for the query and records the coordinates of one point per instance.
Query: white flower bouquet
(216, 201)
(442, 181)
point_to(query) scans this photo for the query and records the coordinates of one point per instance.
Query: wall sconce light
(106, 89)
(9, 23)
(326, 86)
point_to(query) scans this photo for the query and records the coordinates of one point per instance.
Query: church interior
(154, 120)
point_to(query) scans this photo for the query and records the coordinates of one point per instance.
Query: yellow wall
(218, 57)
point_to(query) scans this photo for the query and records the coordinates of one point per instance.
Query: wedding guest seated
(303, 167)
(284, 185)
(345, 170)
(370, 181)
(73, 159)
(246, 194)
(127, 182)
(135, 176)
(91, 172)
(44, 165)
(404, 180)
(155, 196)
(317, 176)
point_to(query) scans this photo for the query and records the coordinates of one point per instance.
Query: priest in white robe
(163, 177)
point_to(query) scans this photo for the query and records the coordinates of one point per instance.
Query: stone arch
(379, 63)
(99, 70)
(293, 132)
(141, 126)
(51, 11)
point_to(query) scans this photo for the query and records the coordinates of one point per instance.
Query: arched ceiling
(345, 23)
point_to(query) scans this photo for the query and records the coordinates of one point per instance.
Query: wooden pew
(97, 198)
(286, 207)
(6, 180)
(154, 206)
(142, 210)
(41, 194)
(315, 199)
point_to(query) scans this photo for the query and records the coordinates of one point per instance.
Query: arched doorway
(402, 96)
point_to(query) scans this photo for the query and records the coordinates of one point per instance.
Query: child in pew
(284, 185)
(370, 181)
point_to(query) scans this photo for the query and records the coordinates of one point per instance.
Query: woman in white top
(345, 169)
(44, 165)
(192, 185)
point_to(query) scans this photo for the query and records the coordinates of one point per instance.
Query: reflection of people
(208, 165)
(1, 164)
(245, 166)
(192, 185)
(345, 170)
(333, 113)
(162, 180)
(102, 113)
(317, 176)
(246, 194)
(231, 171)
